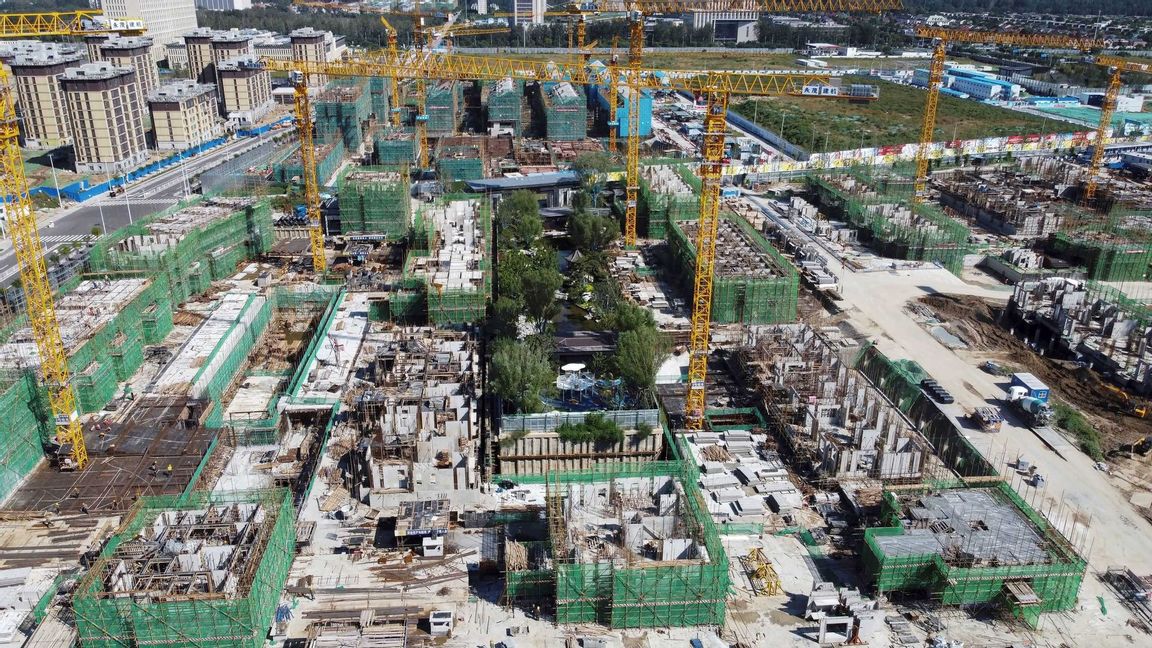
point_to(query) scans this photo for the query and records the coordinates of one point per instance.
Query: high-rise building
(245, 89)
(45, 123)
(165, 20)
(310, 45)
(223, 5)
(106, 116)
(93, 42)
(134, 52)
(230, 44)
(184, 114)
(529, 12)
(198, 44)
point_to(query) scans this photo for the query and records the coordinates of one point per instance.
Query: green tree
(519, 220)
(639, 354)
(590, 233)
(505, 319)
(627, 316)
(539, 290)
(520, 374)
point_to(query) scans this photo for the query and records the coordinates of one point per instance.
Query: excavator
(1127, 405)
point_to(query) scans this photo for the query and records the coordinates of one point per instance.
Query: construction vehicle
(1141, 446)
(1126, 403)
(988, 418)
(1037, 412)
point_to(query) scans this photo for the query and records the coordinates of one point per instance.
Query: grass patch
(821, 125)
(1072, 421)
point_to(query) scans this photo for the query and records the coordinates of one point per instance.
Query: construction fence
(375, 200)
(632, 594)
(239, 618)
(955, 580)
(879, 204)
(760, 287)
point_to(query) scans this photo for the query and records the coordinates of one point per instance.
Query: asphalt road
(143, 198)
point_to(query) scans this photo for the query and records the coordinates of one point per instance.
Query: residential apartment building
(223, 5)
(166, 20)
(311, 45)
(134, 52)
(93, 42)
(529, 12)
(231, 44)
(245, 89)
(198, 47)
(38, 94)
(184, 114)
(106, 116)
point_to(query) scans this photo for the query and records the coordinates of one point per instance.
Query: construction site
(443, 373)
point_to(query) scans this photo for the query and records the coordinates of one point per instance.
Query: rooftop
(181, 89)
(127, 42)
(96, 71)
(44, 57)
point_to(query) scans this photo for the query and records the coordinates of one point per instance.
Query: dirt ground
(976, 322)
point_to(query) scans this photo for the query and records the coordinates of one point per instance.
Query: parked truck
(1036, 411)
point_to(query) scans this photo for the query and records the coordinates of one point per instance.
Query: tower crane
(303, 106)
(26, 243)
(393, 49)
(943, 37)
(1117, 67)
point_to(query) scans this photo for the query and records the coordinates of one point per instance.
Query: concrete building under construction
(832, 421)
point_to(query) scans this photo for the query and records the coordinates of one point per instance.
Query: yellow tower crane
(943, 37)
(394, 49)
(303, 107)
(1117, 67)
(26, 243)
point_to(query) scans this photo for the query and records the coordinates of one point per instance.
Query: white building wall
(166, 20)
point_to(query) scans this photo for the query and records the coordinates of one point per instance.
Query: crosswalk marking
(61, 238)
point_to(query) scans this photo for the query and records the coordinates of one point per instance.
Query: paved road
(143, 198)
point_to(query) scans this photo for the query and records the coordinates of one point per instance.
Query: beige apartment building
(198, 49)
(311, 45)
(245, 89)
(165, 20)
(231, 44)
(41, 101)
(134, 52)
(92, 43)
(106, 115)
(184, 114)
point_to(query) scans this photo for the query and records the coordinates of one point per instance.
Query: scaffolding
(443, 105)
(966, 547)
(375, 200)
(451, 280)
(459, 163)
(392, 146)
(342, 110)
(564, 110)
(380, 92)
(608, 571)
(879, 204)
(504, 101)
(329, 157)
(1117, 247)
(753, 283)
(25, 426)
(188, 247)
(667, 194)
(203, 571)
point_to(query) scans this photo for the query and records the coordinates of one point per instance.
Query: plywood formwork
(204, 571)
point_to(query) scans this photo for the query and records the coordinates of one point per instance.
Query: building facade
(45, 122)
(311, 45)
(92, 43)
(184, 114)
(134, 52)
(106, 116)
(198, 48)
(245, 90)
(165, 20)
